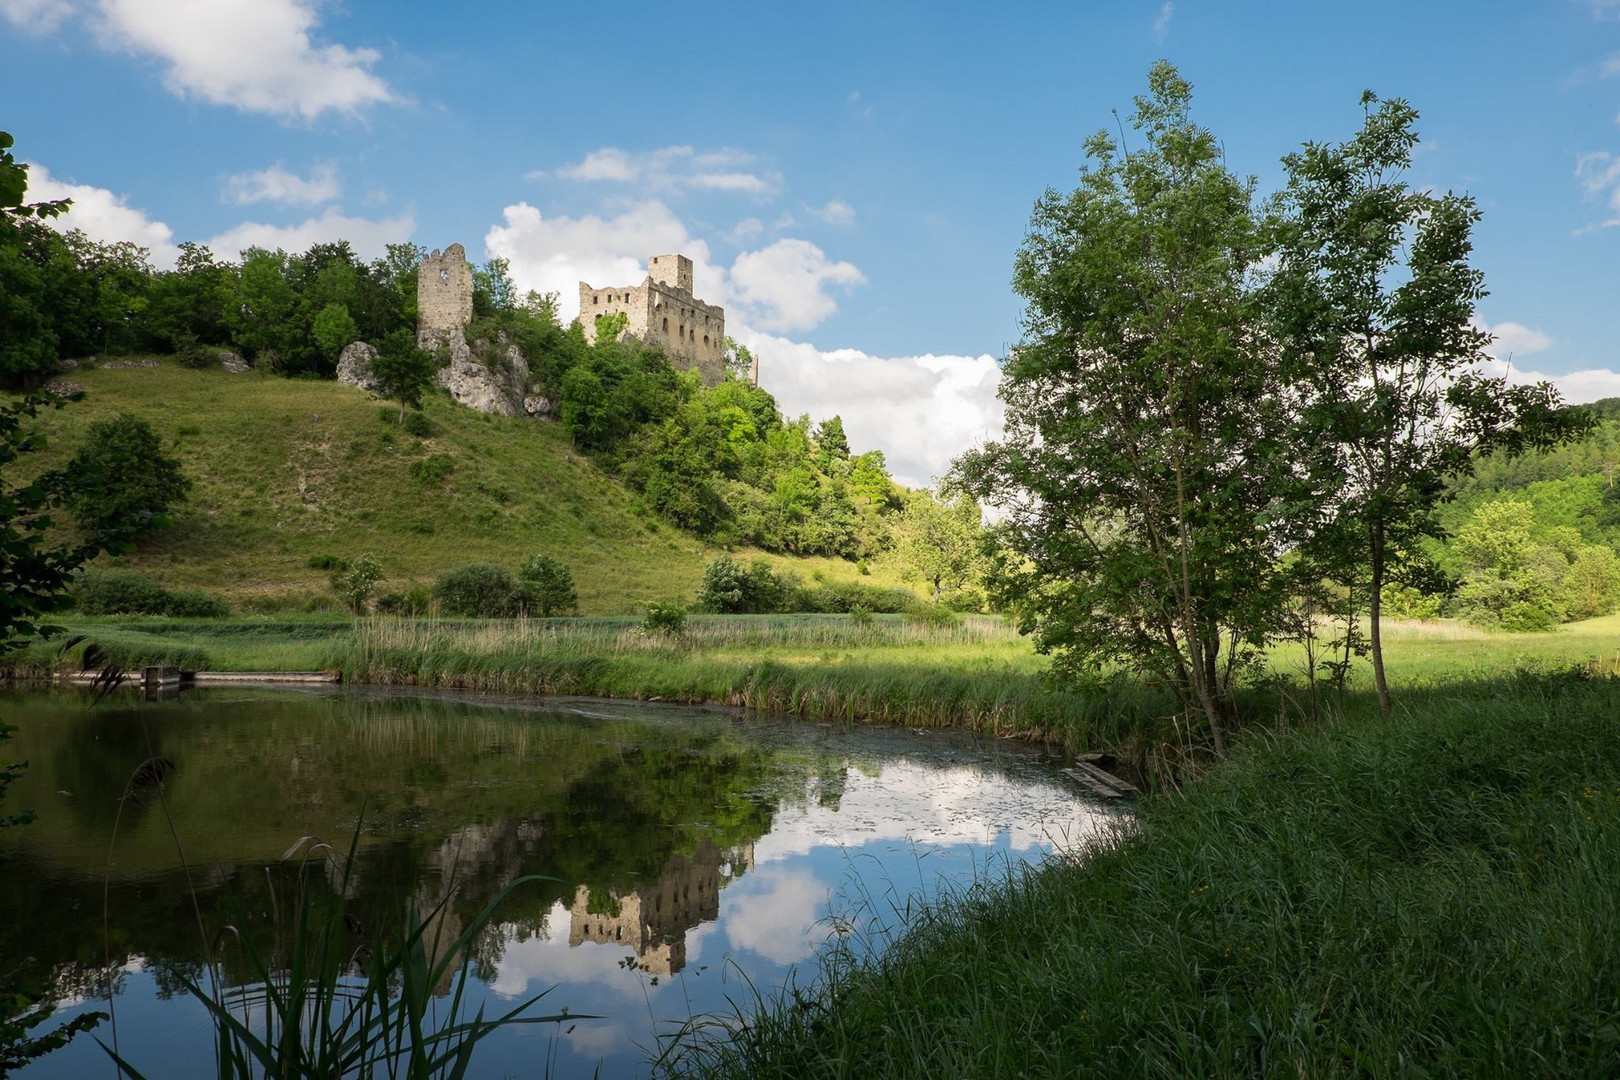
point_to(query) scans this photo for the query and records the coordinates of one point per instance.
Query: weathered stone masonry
(662, 311)
(444, 296)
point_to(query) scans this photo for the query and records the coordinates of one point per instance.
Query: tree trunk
(1375, 616)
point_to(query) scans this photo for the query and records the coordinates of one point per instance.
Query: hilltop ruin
(663, 311)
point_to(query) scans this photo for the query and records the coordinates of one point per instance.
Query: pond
(695, 855)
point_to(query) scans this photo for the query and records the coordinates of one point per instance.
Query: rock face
(495, 382)
(354, 366)
(233, 362)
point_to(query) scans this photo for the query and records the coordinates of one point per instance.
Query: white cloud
(775, 913)
(783, 286)
(836, 212)
(921, 411)
(368, 237)
(256, 55)
(1599, 174)
(745, 230)
(103, 216)
(1161, 25)
(1515, 339)
(36, 16)
(555, 254)
(276, 184)
(671, 169)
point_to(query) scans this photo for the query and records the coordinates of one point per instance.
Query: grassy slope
(288, 469)
(1431, 895)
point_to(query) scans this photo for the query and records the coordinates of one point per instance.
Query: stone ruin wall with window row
(444, 295)
(662, 311)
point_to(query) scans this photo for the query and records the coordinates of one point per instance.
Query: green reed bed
(1428, 895)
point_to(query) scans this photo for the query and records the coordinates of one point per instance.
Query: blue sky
(853, 178)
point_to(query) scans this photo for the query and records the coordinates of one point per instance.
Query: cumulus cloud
(921, 411)
(554, 254)
(36, 16)
(745, 230)
(784, 286)
(255, 55)
(672, 169)
(368, 237)
(774, 913)
(276, 184)
(836, 212)
(1515, 339)
(103, 216)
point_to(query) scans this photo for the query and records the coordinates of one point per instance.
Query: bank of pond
(740, 895)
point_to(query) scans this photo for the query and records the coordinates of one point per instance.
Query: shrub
(729, 588)
(418, 424)
(478, 590)
(549, 584)
(125, 592)
(193, 354)
(415, 601)
(354, 583)
(860, 615)
(668, 620)
(326, 562)
(122, 477)
(838, 598)
(431, 470)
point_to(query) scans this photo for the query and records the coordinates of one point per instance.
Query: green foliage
(1378, 322)
(1140, 464)
(403, 371)
(125, 592)
(355, 581)
(333, 330)
(664, 620)
(432, 470)
(417, 424)
(729, 588)
(940, 542)
(415, 601)
(1517, 582)
(123, 480)
(549, 584)
(739, 361)
(476, 590)
(832, 446)
(35, 570)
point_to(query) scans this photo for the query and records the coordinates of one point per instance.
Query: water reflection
(674, 840)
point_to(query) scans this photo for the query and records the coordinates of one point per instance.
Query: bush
(860, 615)
(326, 562)
(124, 592)
(122, 477)
(549, 584)
(838, 598)
(193, 354)
(729, 588)
(354, 583)
(477, 590)
(431, 470)
(415, 601)
(418, 424)
(665, 619)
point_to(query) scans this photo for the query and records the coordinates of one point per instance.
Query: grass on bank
(289, 469)
(979, 675)
(1429, 895)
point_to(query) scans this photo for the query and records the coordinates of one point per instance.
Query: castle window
(666, 326)
(705, 339)
(596, 299)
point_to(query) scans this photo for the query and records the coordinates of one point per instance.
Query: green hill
(286, 470)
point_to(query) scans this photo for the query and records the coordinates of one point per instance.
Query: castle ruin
(444, 296)
(662, 311)
(653, 920)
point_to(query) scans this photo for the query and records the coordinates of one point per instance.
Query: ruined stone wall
(662, 311)
(654, 919)
(444, 295)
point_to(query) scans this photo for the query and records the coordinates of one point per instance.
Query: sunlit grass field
(289, 469)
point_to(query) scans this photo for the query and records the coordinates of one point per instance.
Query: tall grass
(1428, 895)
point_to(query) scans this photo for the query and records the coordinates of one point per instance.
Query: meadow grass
(1427, 895)
(285, 470)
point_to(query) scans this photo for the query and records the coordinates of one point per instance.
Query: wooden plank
(1096, 786)
(1107, 777)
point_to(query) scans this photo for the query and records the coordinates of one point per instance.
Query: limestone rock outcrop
(354, 366)
(233, 362)
(494, 382)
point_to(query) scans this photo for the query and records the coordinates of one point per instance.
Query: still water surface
(695, 851)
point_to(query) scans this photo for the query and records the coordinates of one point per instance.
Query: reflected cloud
(775, 913)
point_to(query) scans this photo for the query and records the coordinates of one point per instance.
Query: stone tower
(672, 270)
(444, 295)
